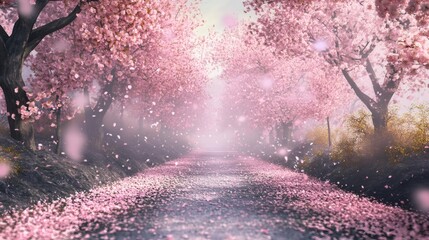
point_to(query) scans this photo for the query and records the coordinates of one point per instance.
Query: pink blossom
(422, 199)
(5, 169)
(74, 143)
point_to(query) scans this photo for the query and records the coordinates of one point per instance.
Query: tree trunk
(58, 130)
(16, 98)
(14, 49)
(94, 116)
(94, 120)
(94, 130)
(121, 112)
(279, 134)
(329, 132)
(378, 107)
(381, 139)
(287, 132)
(272, 136)
(265, 136)
(379, 119)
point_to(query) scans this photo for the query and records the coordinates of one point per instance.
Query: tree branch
(390, 85)
(364, 53)
(3, 34)
(105, 100)
(375, 84)
(39, 33)
(369, 103)
(22, 29)
(3, 53)
(13, 4)
(87, 108)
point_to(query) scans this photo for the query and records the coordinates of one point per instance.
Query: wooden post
(329, 132)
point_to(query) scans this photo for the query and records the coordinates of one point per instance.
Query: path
(215, 196)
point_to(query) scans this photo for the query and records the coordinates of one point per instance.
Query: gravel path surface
(215, 196)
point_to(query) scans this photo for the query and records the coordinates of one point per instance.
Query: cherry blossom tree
(172, 92)
(270, 91)
(413, 44)
(56, 86)
(16, 46)
(393, 9)
(135, 51)
(351, 37)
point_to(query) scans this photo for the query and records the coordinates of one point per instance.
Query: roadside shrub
(318, 136)
(410, 132)
(344, 150)
(359, 125)
(407, 135)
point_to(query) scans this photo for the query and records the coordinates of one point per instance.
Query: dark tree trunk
(379, 105)
(384, 93)
(279, 134)
(94, 121)
(14, 49)
(16, 97)
(379, 119)
(287, 132)
(272, 137)
(121, 112)
(94, 116)
(381, 139)
(94, 130)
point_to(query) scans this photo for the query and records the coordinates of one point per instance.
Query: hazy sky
(218, 13)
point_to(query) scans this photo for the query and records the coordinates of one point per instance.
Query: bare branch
(3, 34)
(362, 96)
(391, 84)
(364, 53)
(38, 34)
(4, 4)
(361, 49)
(2, 52)
(375, 84)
